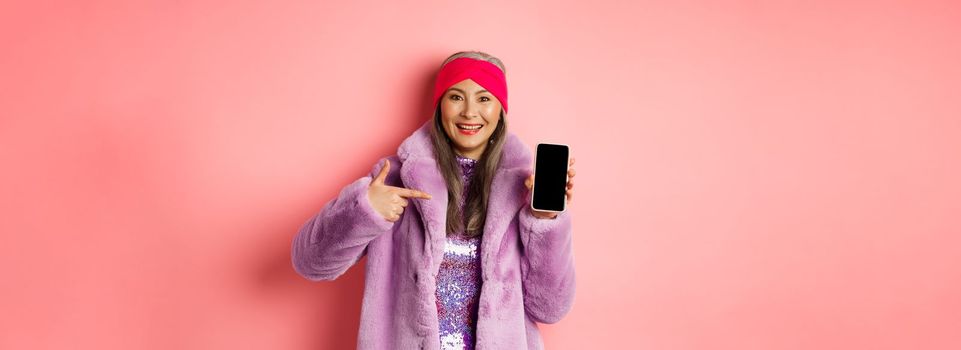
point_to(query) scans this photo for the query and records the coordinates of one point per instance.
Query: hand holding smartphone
(550, 177)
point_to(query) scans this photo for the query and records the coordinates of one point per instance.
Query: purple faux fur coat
(527, 263)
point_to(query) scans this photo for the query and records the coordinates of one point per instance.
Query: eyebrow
(463, 92)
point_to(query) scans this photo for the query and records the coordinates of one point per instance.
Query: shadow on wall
(336, 305)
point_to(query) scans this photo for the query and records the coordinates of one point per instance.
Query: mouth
(469, 129)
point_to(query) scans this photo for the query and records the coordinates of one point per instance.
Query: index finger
(409, 193)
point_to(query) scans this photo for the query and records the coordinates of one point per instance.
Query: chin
(468, 146)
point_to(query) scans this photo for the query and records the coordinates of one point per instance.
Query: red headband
(483, 73)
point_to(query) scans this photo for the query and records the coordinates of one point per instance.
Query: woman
(456, 257)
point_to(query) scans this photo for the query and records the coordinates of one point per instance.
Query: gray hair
(477, 55)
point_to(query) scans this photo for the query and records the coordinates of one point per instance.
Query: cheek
(447, 106)
(445, 114)
(492, 115)
(493, 126)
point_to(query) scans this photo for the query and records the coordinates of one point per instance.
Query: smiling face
(470, 115)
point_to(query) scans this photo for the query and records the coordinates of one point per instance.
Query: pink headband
(483, 73)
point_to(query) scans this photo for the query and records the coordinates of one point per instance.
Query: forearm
(547, 268)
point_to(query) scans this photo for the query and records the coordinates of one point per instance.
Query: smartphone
(550, 177)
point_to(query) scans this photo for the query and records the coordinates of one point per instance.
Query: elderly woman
(456, 256)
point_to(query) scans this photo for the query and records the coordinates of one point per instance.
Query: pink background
(751, 174)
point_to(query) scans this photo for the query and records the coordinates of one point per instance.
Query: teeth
(469, 127)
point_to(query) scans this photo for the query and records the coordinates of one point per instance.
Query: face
(469, 114)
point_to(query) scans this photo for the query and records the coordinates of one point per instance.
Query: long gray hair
(478, 192)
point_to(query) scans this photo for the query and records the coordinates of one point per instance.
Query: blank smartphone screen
(550, 177)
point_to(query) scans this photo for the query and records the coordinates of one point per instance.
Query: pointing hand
(390, 201)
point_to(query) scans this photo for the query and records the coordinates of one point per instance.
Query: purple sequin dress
(458, 281)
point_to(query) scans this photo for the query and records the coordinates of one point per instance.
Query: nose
(470, 110)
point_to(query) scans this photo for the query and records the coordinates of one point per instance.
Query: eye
(485, 99)
(455, 97)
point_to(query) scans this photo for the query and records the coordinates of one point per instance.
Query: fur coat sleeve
(336, 237)
(547, 265)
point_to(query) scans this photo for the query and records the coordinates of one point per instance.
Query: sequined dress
(459, 282)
